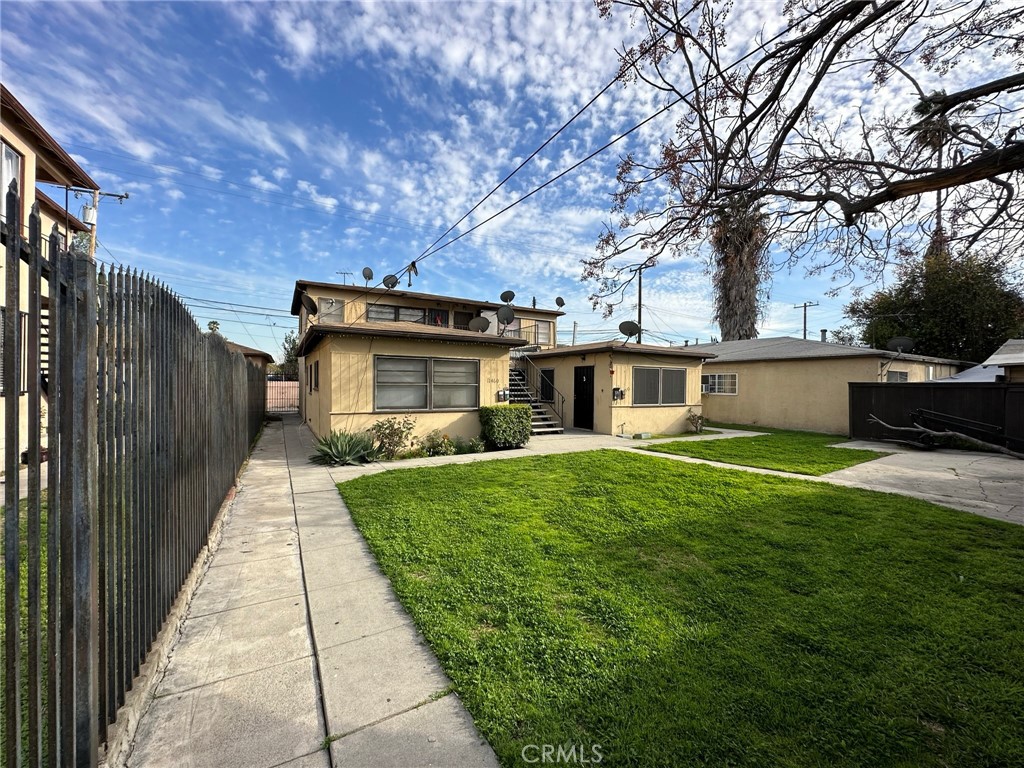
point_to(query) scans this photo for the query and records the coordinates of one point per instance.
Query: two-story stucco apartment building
(31, 156)
(369, 353)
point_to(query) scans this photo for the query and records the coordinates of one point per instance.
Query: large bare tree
(857, 127)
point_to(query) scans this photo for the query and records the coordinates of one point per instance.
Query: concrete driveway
(988, 484)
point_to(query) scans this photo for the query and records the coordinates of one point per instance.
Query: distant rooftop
(1011, 353)
(621, 346)
(791, 348)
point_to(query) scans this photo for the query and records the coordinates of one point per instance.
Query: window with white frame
(718, 383)
(659, 386)
(543, 332)
(10, 170)
(426, 384)
(897, 377)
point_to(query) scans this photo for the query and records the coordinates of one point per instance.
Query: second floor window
(10, 169)
(387, 313)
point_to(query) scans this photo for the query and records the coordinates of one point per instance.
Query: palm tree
(739, 241)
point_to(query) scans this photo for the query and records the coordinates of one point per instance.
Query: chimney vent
(824, 334)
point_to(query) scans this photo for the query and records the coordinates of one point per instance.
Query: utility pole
(805, 305)
(574, 324)
(640, 299)
(91, 216)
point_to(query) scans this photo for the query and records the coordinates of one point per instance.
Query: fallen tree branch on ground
(872, 419)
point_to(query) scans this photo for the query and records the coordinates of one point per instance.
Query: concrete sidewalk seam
(318, 672)
(406, 623)
(189, 689)
(245, 605)
(444, 693)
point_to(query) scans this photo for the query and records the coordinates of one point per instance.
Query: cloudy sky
(264, 143)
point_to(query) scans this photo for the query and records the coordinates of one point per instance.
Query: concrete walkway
(295, 651)
(294, 641)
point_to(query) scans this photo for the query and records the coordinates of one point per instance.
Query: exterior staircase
(543, 421)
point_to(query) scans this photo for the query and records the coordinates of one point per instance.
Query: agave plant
(344, 448)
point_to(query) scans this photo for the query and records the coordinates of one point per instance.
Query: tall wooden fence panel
(996, 409)
(137, 425)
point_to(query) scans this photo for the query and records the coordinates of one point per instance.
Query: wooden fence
(988, 411)
(147, 423)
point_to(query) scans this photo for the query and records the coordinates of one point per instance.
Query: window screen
(646, 386)
(401, 383)
(424, 383)
(673, 386)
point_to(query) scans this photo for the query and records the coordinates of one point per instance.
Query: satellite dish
(900, 344)
(507, 296)
(628, 328)
(506, 315)
(308, 303)
(559, 302)
(367, 274)
(479, 324)
(390, 281)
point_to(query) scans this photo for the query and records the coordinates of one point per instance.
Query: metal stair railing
(533, 386)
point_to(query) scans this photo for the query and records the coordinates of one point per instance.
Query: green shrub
(506, 426)
(462, 445)
(393, 434)
(345, 448)
(437, 444)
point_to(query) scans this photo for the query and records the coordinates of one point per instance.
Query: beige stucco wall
(802, 394)
(27, 190)
(355, 301)
(28, 170)
(345, 398)
(615, 369)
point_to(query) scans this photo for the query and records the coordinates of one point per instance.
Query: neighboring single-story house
(612, 387)
(370, 353)
(795, 383)
(256, 356)
(1009, 357)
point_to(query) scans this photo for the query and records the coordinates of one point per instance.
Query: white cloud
(263, 184)
(326, 202)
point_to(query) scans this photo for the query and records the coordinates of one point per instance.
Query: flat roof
(620, 346)
(403, 330)
(300, 284)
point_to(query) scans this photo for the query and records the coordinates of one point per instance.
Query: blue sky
(264, 143)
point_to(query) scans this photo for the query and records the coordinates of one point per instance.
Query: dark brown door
(583, 397)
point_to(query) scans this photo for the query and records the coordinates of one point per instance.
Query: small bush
(506, 426)
(696, 421)
(344, 448)
(393, 434)
(462, 445)
(436, 444)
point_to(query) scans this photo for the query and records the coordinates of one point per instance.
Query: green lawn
(805, 453)
(684, 615)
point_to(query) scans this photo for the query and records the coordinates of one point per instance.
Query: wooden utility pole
(805, 305)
